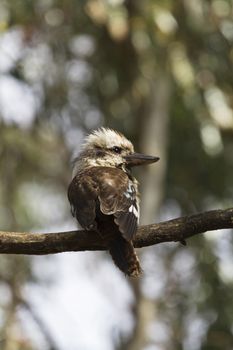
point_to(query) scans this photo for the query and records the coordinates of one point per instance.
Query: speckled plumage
(104, 195)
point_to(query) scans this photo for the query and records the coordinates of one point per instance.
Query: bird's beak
(135, 159)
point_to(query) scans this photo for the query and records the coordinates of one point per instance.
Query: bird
(104, 195)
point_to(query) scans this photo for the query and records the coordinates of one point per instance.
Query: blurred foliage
(88, 63)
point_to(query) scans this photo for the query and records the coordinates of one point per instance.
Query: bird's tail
(124, 256)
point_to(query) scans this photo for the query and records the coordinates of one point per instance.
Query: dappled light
(161, 73)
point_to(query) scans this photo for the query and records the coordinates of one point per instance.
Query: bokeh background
(161, 72)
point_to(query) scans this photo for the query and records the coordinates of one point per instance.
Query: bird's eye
(117, 149)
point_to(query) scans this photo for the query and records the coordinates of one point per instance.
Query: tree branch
(169, 231)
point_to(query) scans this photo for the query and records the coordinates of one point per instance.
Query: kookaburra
(104, 195)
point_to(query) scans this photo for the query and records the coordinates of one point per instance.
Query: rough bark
(174, 230)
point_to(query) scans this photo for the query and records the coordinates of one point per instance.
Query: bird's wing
(118, 197)
(82, 194)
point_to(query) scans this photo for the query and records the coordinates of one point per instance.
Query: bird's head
(107, 147)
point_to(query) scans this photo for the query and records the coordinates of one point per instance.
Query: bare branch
(169, 231)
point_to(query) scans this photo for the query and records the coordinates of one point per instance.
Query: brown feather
(103, 198)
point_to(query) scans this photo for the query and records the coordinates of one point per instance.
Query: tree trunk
(154, 139)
